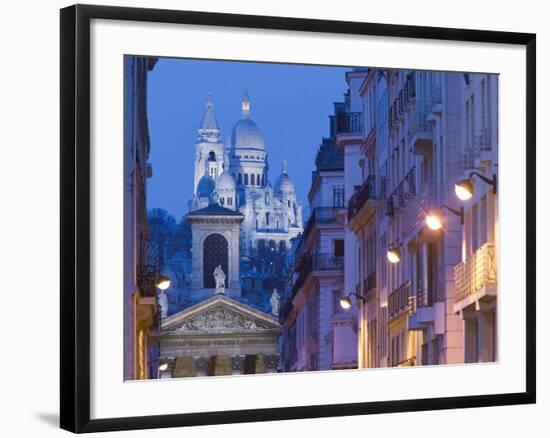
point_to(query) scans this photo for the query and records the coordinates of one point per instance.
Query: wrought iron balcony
(324, 215)
(400, 300)
(369, 143)
(477, 272)
(146, 280)
(316, 262)
(414, 212)
(369, 282)
(327, 262)
(420, 135)
(482, 142)
(405, 190)
(349, 123)
(410, 88)
(424, 297)
(366, 192)
(409, 362)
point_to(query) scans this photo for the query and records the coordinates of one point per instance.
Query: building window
(261, 247)
(267, 218)
(258, 180)
(240, 179)
(338, 247)
(246, 179)
(251, 179)
(338, 197)
(267, 199)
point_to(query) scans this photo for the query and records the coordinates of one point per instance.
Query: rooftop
(214, 210)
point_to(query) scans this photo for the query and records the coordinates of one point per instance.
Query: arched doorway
(214, 253)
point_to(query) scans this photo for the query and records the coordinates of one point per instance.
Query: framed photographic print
(289, 218)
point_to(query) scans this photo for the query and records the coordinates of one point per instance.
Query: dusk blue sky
(289, 103)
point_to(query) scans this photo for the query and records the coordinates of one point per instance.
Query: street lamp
(162, 282)
(394, 254)
(345, 302)
(163, 366)
(434, 221)
(464, 189)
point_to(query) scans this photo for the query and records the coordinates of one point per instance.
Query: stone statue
(219, 277)
(163, 303)
(275, 301)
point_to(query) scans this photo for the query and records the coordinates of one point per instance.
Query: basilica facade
(235, 175)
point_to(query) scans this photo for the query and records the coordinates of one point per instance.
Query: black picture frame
(75, 217)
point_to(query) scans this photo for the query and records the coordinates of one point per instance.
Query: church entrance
(214, 253)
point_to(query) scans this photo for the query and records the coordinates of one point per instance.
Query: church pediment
(219, 314)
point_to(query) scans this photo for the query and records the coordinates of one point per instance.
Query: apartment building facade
(476, 274)
(420, 225)
(318, 333)
(411, 311)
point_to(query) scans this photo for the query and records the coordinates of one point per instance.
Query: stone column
(470, 337)
(270, 363)
(238, 364)
(185, 367)
(196, 258)
(235, 280)
(260, 364)
(424, 272)
(486, 335)
(201, 363)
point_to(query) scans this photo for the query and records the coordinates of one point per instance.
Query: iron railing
(409, 362)
(424, 297)
(416, 208)
(316, 262)
(477, 272)
(366, 192)
(405, 190)
(324, 215)
(146, 278)
(369, 282)
(482, 142)
(349, 123)
(400, 300)
(418, 122)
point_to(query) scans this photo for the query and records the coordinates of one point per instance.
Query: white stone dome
(205, 187)
(246, 135)
(225, 182)
(284, 184)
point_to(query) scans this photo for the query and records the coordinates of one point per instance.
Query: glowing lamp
(464, 189)
(345, 302)
(394, 255)
(433, 221)
(162, 282)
